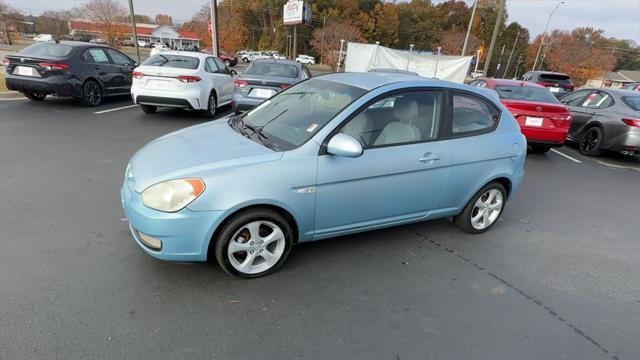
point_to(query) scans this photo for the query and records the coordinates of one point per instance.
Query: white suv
(306, 59)
(186, 80)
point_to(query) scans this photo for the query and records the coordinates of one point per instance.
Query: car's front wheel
(484, 209)
(148, 109)
(91, 93)
(253, 243)
(35, 96)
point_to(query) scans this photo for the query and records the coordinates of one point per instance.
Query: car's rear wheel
(253, 243)
(590, 142)
(35, 96)
(92, 93)
(149, 109)
(483, 210)
(539, 149)
(212, 107)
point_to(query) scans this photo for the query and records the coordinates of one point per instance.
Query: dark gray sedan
(264, 78)
(604, 119)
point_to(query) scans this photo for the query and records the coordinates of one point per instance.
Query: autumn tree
(381, 24)
(232, 32)
(108, 16)
(163, 19)
(53, 22)
(326, 41)
(144, 19)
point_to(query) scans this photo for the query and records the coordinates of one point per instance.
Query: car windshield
(556, 78)
(526, 93)
(632, 101)
(272, 69)
(48, 49)
(173, 61)
(292, 117)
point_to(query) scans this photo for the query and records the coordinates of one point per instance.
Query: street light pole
(133, 29)
(410, 51)
(544, 34)
(466, 38)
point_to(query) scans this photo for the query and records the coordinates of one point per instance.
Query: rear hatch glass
(556, 78)
(47, 49)
(632, 101)
(272, 69)
(173, 61)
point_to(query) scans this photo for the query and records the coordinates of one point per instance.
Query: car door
(401, 173)
(225, 79)
(123, 66)
(580, 113)
(101, 67)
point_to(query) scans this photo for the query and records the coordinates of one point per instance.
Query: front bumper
(185, 235)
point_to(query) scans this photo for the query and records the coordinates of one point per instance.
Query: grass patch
(3, 85)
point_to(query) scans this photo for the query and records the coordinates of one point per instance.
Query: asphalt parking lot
(557, 278)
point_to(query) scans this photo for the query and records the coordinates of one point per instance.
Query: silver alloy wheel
(487, 209)
(256, 247)
(212, 105)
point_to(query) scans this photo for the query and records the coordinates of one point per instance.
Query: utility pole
(340, 55)
(466, 38)
(214, 27)
(324, 23)
(506, 68)
(295, 41)
(494, 37)
(133, 29)
(518, 65)
(500, 60)
(409, 59)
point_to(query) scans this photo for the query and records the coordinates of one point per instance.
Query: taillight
(284, 86)
(188, 78)
(137, 75)
(6, 62)
(54, 66)
(631, 122)
(240, 83)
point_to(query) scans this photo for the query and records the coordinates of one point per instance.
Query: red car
(543, 120)
(227, 59)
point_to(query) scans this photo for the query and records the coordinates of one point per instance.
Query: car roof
(616, 92)
(496, 82)
(372, 80)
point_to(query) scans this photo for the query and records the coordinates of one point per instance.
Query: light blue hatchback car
(333, 155)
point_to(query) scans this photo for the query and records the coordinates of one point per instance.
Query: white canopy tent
(364, 57)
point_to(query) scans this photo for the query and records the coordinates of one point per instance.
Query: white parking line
(567, 156)
(617, 166)
(114, 109)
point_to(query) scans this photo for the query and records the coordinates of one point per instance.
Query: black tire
(228, 63)
(212, 107)
(540, 149)
(149, 109)
(92, 94)
(463, 220)
(35, 96)
(590, 141)
(231, 227)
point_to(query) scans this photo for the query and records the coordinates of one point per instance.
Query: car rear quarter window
(597, 100)
(555, 78)
(119, 58)
(173, 61)
(48, 49)
(472, 115)
(272, 69)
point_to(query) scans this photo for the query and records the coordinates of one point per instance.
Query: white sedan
(43, 38)
(186, 80)
(159, 48)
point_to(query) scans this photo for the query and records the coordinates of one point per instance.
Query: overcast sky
(619, 18)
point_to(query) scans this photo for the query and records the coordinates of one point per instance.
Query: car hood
(187, 152)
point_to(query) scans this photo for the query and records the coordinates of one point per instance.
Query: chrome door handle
(429, 158)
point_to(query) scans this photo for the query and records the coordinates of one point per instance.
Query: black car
(85, 71)
(558, 83)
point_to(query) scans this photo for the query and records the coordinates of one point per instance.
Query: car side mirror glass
(344, 145)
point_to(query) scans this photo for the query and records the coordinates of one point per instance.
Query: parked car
(85, 71)
(43, 38)
(559, 84)
(187, 80)
(477, 74)
(277, 56)
(244, 52)
(99, 41)
(159, 48)
(227, 59)
(334, 155)
(633, 86)
(543, 119)
(306, 59)
(264, 78)
(255, 55)
(605, 119)
(127, 42)
(143, 44)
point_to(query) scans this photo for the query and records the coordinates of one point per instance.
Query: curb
(11, 95)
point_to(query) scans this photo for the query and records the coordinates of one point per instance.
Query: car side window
(99, 56)
(574, 99)
(223, 68)
(396, 119)
(119, 58)
(210, 66)
(597, 100)
(472, 115)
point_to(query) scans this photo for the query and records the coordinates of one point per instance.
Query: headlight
(173, 195)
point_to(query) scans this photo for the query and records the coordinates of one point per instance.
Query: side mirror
(234, 73)
(344, 145)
